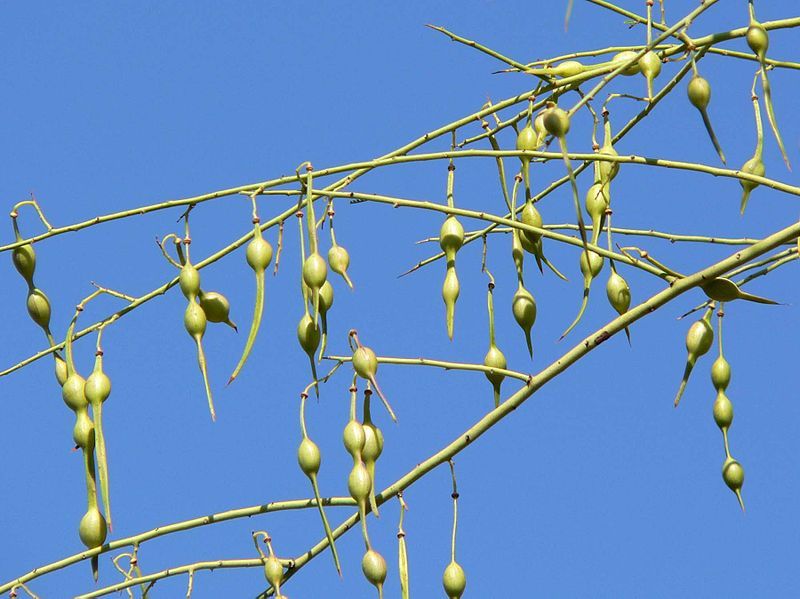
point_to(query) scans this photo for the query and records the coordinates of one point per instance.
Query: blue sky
(596, 487)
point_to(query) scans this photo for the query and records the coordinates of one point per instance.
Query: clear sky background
(595, 487)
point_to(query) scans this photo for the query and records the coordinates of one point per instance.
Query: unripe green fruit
(495, 359)
(723, 411)
(532, 217)
(754, 166)
(359, 484)
(354, 437)
(92, 529)
(699, 91)
(451, 236)
(373, 443)
(39, 308)
(568, 68)
(258, 253)
(538, 126)
(308, 335)
(650, 65)
(527, 139)
(365, 362)
(720, 374)
(454, 580)
(556, 121)
(626, 56)
(24, 259)
(97, 387)
(83, 431)
(273, 570)
(215, 305)
(523, 306)
(308, 457)
(339, 259)
(699, 338)
(594, 265)
(194, 319)
(315, 271)
(451, 287)
(374, 567)
(597, 200)
(61, 371)
(73, 392)
(325, 297)
(721, 290)
(758, 39)
(618, 292)
(189, 281)
(733, 474)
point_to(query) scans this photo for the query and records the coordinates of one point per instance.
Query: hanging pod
(699, 91)
(97, 389)
(72, 392)
(723, 411)
(720, 373)
(532, 217)
(339, 260)
(372, 448)
(733, 475)
(194, 321)
(606, 171)
(189, 280)
(698, 341)
(590, 268)
(754, 166)
(527, 141)
(454, 580)
(725, 290)
(374, 567)
(259, 256)
(650, 67)
(494, 359)
(597, 202)
(325, 304)
(60, 370)
(523, 306)
(627, 56)
(451, 238)
(39, 308)
(308, 334)
(619, 296)
(24, 259)
(365, 363)
(315, 273)
(217, 307)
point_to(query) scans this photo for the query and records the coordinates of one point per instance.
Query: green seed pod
(83, 432)
(273, 571)
(365, 362)
(527, 139)
(538, 126)
(315, 271)
(325, 297)
(606, 171)
(61, 371)
(92, 529)
(454, 580)
(217, 307)
(258, 253)
(723, 411)
(556, 121)
(568, 68)
(451, 237)
(39, 308)
(24, 259)
(308, 457)
(339, 260)
(626, 56)
(593, 266)
(354, 437)
(450, 291)
(359, 483)
(308, 334)
(733, 475)
(725, 290)
(720, 374)
(699, 91)
(698, 341)
(373, 443)
(374, 567)
(73, 392)
(189, 281)
(532, 217)
(650, 65)
(495, 359)
(597, 202)
(523, 306)
(194, 320)
(97, 387)
(618, 292)
(754, 166)
(758, 39)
